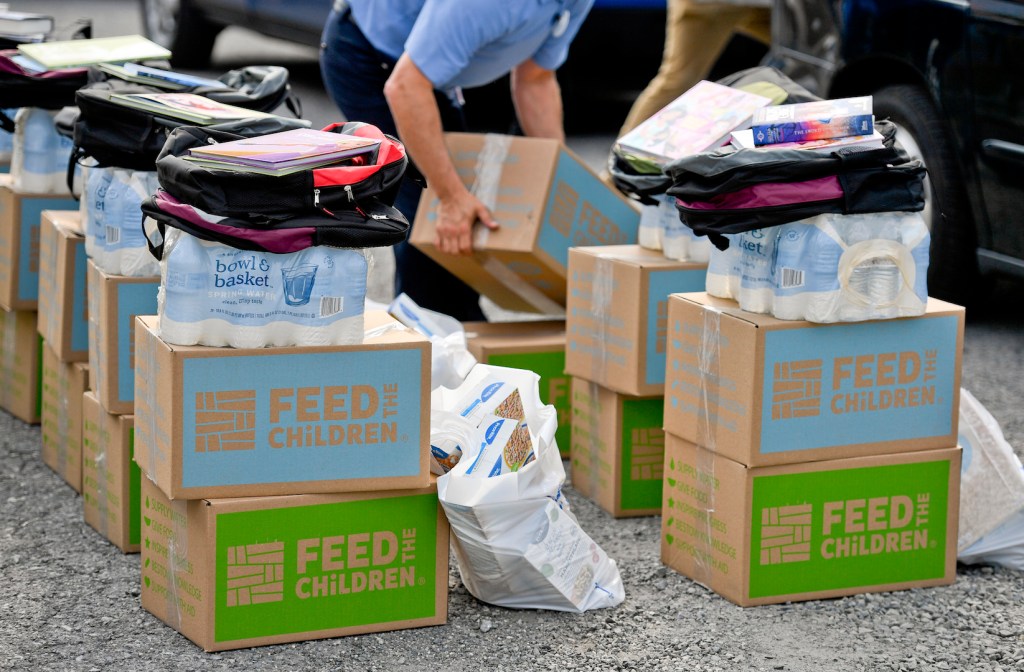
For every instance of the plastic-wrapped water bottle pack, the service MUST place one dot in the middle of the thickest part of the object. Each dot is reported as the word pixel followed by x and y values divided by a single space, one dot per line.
pixel 662 229
pixel 40 155
pixel 829 268
pixel 114 237
pixel 217 295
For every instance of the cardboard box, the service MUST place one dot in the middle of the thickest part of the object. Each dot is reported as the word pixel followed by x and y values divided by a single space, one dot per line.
pixel 63 309
pixel 811 530
pixel 63 384
pixel 765 391
pixel 234 573
pixel 537 346
pixel 232 422
pixel 114 302
pixel 618 449
pixel 616 315
pixel 111 481
pixel 21 365
pixel 20 216
pixel 545 199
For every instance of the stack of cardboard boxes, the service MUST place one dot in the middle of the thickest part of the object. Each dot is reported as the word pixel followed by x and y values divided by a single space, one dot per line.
pixel 616 321
pixel 63 323
pixel 287 492
pixel 20 347
pixel 804 460
pixel 111 481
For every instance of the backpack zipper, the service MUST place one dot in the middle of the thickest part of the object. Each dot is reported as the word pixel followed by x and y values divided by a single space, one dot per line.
pixel 316 198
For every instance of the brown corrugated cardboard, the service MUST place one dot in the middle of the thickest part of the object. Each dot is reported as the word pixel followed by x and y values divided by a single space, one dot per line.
pixel 761 391
pixel 618 449
pixel 537 346
pixel 20 215
pixel 616 315
pixel 63 308
pixel 110 479
pixel 234 573
pixel 811 530
pixel 21 364
pixel 545 199
pixel 228 422
pixel 61 416
pixel 114 302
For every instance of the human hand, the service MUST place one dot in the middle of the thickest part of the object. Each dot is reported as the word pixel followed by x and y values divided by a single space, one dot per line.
pixel 456 215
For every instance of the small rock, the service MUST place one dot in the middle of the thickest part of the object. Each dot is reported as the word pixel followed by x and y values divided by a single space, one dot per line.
pixel 486 625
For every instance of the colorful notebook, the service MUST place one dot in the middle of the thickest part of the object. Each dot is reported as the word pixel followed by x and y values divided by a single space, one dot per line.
pixel 70 53
pixel 185 107
pixel 297 147
pixel 699 120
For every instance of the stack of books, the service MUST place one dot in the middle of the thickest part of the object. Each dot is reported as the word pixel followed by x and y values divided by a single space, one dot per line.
pixel 282 153
pixel 24 27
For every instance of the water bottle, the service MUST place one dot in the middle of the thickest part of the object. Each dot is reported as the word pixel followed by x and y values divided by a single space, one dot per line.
pixel 93 208
pixel 756 250
pixel 680 243
pixel 649 233
pixel 723 279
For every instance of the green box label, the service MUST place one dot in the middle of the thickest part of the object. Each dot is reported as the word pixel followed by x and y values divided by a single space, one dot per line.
pixel 554 386
pixel 643 453
pixel 134 490
pixel 326 566
pixel 849 528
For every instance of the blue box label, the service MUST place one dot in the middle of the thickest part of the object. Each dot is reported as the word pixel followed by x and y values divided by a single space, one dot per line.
pixel 295 418
pixel 133 298
pixel 581 211
pixel 888 380
pixel 79 304
pixel 661 284
pixel 28 249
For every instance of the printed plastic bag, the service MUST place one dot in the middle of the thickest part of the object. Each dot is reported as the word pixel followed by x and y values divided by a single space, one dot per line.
pixel 516 541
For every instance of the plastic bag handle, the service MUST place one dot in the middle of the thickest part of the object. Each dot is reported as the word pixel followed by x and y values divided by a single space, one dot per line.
pixel 868 250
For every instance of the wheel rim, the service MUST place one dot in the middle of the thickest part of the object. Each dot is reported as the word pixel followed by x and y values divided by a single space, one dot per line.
pixel 910 144
pixel 161 17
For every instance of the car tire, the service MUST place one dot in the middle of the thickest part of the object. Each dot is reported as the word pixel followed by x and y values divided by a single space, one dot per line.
pixel 180 27
pixel 953 273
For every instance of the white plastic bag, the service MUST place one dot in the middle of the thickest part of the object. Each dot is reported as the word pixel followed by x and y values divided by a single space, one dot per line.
pixel 450 360
pixel 991 488
pixel 516 542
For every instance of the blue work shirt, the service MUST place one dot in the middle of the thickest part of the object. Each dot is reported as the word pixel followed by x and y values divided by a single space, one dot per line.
pixel 467 43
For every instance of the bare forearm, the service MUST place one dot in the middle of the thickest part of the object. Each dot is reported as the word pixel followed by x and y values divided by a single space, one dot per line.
pixel 538 102
pixel 418 120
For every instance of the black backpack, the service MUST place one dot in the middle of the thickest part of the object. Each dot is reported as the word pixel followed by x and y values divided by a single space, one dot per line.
pixel 248 195
pixel 49 90
pixel 731 191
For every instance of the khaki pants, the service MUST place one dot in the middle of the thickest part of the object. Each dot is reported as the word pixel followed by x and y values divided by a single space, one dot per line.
pixel 696 33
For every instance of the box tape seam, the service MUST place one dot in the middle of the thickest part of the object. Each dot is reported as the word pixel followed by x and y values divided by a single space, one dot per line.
pixel 489 164
pixel 709 364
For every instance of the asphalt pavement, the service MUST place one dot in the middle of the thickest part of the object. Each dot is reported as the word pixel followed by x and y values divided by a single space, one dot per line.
pixel 70 601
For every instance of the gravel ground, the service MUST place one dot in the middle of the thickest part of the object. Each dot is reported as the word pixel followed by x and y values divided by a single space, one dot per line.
pixel 70 601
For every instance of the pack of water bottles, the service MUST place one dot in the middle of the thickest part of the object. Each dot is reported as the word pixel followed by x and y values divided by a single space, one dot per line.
pixel 40 155
pixel 828 268
pixel 112 220
pixel 662 229
pixel 218 295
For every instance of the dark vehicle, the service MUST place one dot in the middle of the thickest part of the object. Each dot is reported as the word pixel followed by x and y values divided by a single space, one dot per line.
pixel 948 73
